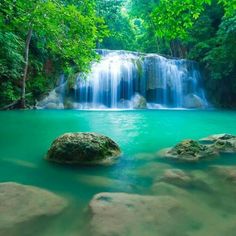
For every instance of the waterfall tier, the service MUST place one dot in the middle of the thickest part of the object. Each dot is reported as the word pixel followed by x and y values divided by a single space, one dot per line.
pixel 129 80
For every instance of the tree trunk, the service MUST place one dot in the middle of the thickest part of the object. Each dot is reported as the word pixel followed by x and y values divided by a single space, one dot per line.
pixel 27 43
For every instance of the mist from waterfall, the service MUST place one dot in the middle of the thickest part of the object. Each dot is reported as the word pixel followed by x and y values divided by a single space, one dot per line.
pixel 130 80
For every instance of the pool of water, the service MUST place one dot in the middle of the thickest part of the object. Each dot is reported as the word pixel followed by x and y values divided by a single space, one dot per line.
pixel 25 137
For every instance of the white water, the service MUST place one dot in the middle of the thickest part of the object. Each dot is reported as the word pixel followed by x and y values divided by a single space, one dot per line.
pixel 127 80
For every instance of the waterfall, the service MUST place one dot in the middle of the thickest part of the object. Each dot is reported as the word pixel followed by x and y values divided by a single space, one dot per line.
pixel 128 80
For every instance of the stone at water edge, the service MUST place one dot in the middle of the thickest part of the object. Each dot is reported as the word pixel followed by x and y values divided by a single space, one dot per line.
pixel 139 102
pixel 83 148
pixel 192 101
pixel 23 203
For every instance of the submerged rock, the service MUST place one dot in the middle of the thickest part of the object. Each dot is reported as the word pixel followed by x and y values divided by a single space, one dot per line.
pixel 227 173
pixel 182 179
pixel 176 177
pixel 83 148
pixel 134 215
pixel 189 151
pixel 22 203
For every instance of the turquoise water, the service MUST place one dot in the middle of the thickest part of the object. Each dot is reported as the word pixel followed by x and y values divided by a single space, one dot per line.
pixel 26 136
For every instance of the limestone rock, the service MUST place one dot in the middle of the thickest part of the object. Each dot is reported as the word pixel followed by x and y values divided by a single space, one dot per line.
pixel 189 151
pixel 192 101
pixel 22 203
pixel 227 173
pixel 176 177
pixel 224 143
pixel 83 148
pixel 182 179
pixel 135 215
pixel 139 102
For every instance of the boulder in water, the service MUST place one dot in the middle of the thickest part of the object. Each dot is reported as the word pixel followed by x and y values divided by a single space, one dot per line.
pixel 224 143
pixel 189 151
pixel 83 148
pixel 21 204
pixel 204 149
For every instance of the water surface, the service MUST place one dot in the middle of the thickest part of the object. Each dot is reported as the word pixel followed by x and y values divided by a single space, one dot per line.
pixel 26 136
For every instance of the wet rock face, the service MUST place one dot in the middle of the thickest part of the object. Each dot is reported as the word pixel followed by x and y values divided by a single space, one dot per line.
pixel 189 151
pixel 192 101
pixel 20 204
pixel 131 214
pixel 139 102
pixel 83 148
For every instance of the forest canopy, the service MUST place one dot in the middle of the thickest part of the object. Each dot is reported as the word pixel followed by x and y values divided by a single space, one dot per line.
pixel 42 39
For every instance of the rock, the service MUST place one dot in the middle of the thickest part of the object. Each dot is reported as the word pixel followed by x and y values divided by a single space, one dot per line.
pixel 227 173
pixel 176 177
pixel 216 137
pixel 20 204
pixel 54 106
pixel 134 215
pixel 189 151
pixel 224 143
pixel 192 101
pixel 68 104
pixel 139 102
pixel 163 188
pixel 181 179
pixel 52 101
pixel 83 148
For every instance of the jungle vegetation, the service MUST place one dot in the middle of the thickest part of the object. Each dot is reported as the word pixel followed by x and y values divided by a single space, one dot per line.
pixel 41 39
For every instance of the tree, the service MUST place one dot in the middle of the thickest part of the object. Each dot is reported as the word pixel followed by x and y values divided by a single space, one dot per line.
pixel 207 31
pixel 68 31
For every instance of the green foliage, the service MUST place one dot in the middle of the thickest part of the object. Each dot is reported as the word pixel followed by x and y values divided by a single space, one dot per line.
pixel 121 33
pixel 11 60
pixel 64 33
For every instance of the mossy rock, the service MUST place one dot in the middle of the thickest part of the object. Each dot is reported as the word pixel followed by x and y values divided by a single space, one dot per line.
pixel 190 151
pixel 83 148
pixel 224 143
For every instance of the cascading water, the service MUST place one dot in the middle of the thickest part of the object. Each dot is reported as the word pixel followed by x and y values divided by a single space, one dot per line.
pixel 128 80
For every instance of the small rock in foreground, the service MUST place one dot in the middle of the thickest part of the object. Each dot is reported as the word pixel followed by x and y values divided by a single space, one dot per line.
pixel 23 203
